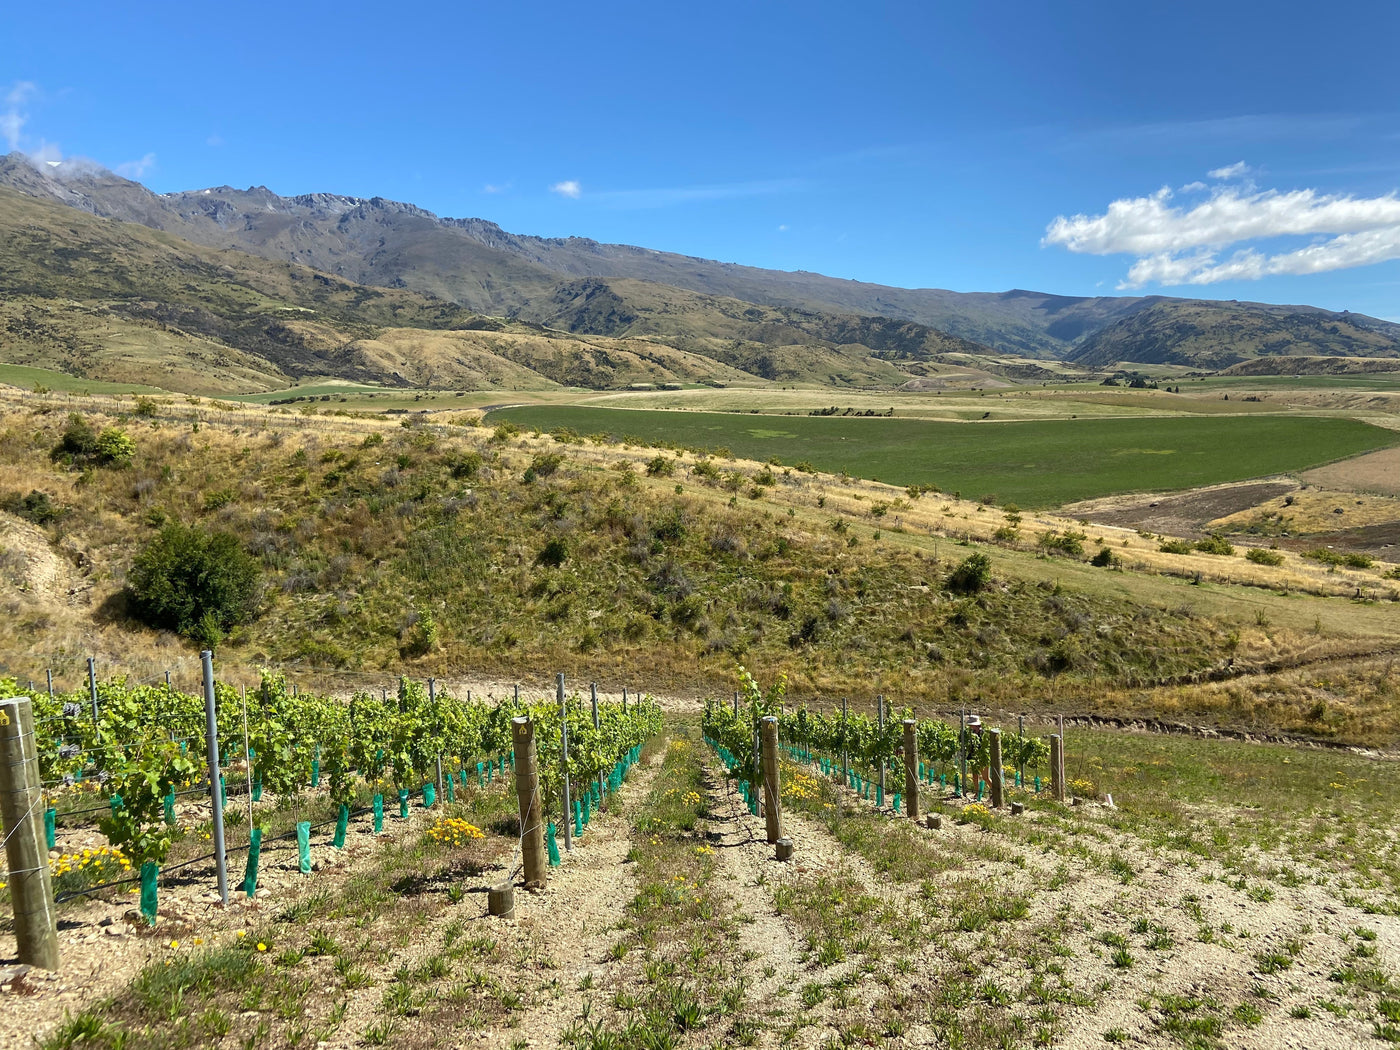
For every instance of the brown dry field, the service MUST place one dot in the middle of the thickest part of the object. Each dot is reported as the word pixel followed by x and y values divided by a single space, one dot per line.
pixel 1377 472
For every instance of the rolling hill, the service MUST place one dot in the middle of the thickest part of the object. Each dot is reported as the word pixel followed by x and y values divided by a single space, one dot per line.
pixel 1212 336
pixel 117 301
pixel 588 287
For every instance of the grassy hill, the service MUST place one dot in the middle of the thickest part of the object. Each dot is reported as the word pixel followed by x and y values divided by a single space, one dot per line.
pixel 117 302
pixel 1213 336
pixel 543 554
pixel 476 264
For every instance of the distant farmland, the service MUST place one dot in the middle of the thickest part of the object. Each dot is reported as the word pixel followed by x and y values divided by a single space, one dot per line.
pixel 1036 464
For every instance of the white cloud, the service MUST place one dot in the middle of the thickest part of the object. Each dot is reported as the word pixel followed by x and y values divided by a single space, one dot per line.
pixel 1193 187
pixel 782 228
pixel 14 118
pixel 1230 171
pixel 1184 245
pixel 568 188
pixel 136 169
pixel 492 187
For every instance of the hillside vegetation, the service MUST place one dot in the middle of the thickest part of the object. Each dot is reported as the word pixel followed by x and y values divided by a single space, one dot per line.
pixel 117 302
pixel 602 289
pixel 1214 336
pixel 540 554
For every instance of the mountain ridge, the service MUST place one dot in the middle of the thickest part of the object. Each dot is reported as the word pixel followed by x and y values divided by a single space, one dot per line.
pixel 476 264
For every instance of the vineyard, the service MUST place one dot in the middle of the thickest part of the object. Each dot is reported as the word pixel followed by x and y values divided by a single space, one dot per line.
pixel 1165 892
pixel 131 759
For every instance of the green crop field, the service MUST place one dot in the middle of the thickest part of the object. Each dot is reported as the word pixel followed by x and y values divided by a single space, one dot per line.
pixel 1036 464
pixel 33 378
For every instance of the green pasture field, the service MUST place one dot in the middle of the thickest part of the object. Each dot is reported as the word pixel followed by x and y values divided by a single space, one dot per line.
pixel 32 378
pixel 1034 464
pixel 1380 381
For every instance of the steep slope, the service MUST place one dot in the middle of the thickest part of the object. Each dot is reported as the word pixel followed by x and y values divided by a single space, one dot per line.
pixel 1217 335
pixel 474 263
pixel 783 344
pixel 119 302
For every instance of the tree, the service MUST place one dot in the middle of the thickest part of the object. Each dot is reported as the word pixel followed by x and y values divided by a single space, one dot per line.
pixel 194 582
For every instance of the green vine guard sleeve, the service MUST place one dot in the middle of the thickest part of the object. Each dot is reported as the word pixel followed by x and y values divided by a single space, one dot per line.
pixel 149 871
pixel 250 873
pixel 170 808
pixel 553 846
pixel 403 804
pixel 429 796
pixel 50 828
pixel 342 821
pixel 304 845
pixel 378 814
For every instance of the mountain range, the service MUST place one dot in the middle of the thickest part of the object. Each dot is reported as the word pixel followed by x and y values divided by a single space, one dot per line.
pixel 576 301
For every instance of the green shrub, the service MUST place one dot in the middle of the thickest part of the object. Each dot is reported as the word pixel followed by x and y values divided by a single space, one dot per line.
pixel 195 583
pixel 661 467
pixel 553 554
pixel 1176 547
pixel 1351 559
pixel 1103 558
pixel 1068 542
pixel 37 507
pixel 421 637
pixel 465 466
pixel 972 576
pixel 1215 544
pixel 114 448
pixel 1263 556
pixel 79 441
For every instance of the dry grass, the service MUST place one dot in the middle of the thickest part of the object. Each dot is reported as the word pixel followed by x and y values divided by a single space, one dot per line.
pixel 1319 509
pixel 194 451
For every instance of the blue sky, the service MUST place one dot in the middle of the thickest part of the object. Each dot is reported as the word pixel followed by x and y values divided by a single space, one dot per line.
pixel 910 144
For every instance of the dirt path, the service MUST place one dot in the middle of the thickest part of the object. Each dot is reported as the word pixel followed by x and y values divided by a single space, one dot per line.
pixel 576 920
pixel 748 869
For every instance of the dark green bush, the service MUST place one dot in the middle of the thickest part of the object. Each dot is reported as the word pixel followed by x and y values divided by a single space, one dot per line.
pixel 1103 558
pixel 37 507
pixel 1215 544
pixel 1068 542
pixel 1263 556
pixel 194 582
pixel 972 575
pixel 1176 547
pixel 661 467
pixel 82 446
pixel 1351 559
pixel 554 553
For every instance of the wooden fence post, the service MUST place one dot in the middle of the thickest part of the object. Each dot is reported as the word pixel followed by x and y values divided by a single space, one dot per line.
pixel 1057 767
pixel 527 793
pixel 772 800
pixel 911 768
pixel 998 782
pixel 22 810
